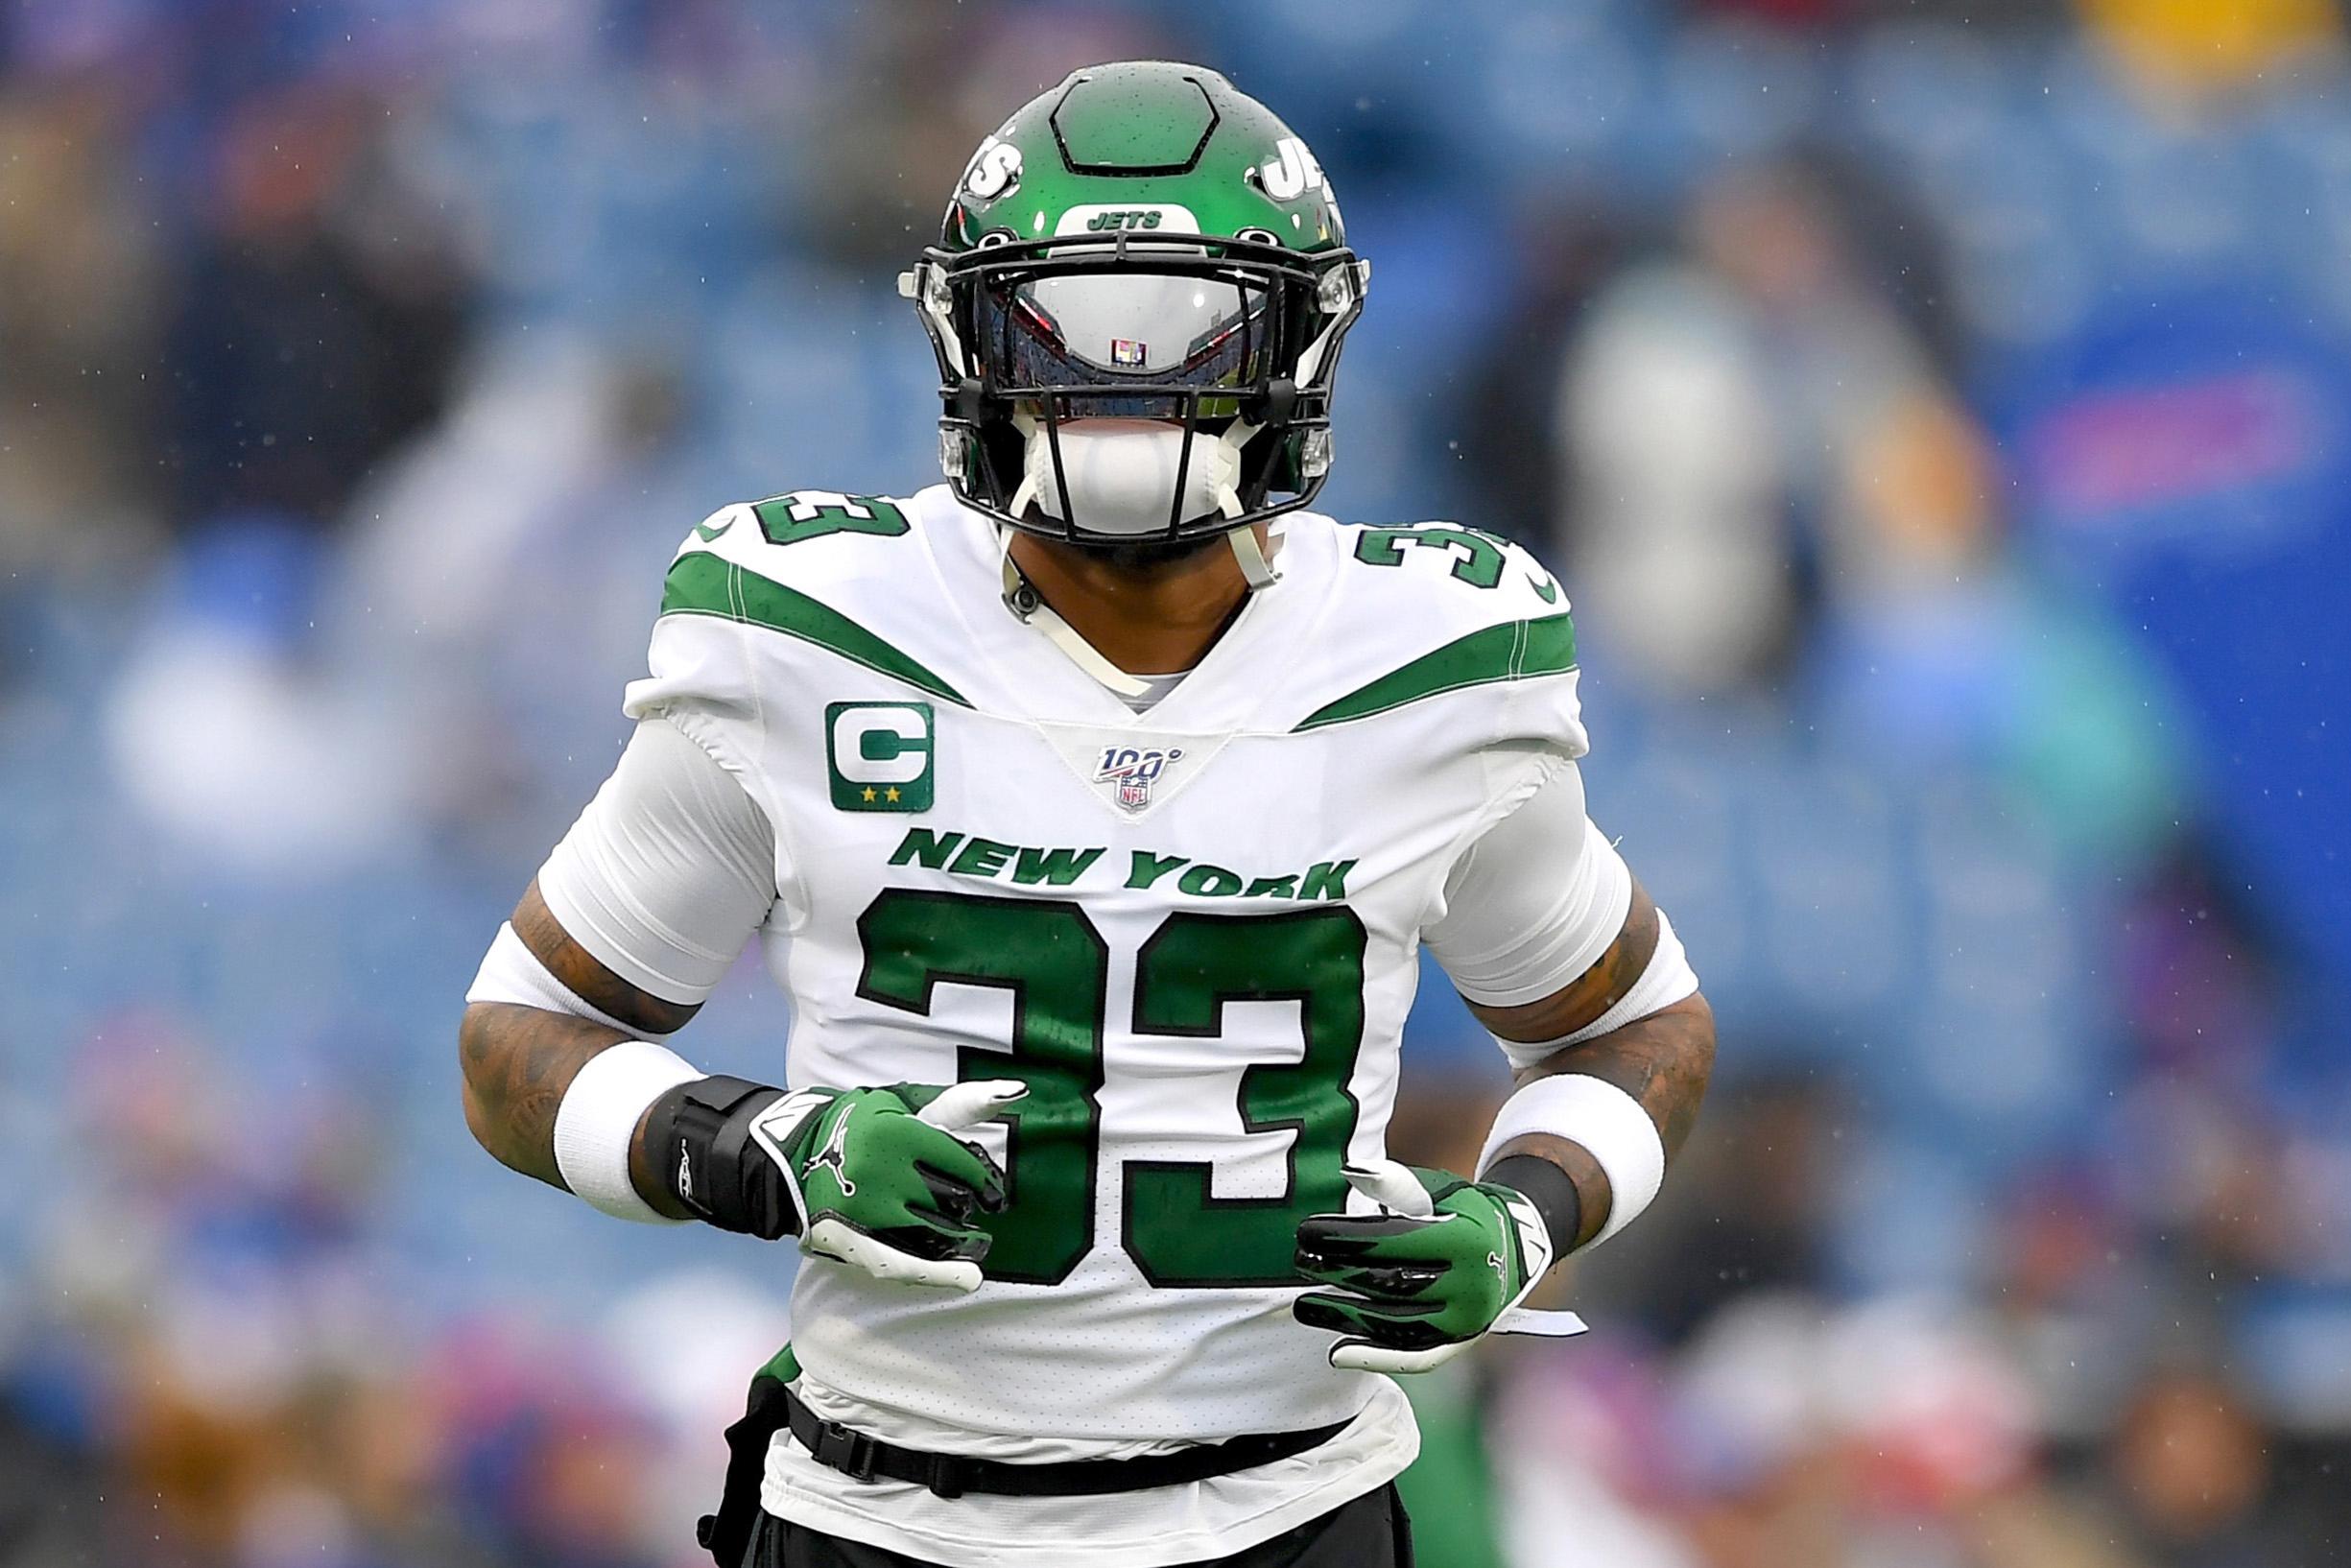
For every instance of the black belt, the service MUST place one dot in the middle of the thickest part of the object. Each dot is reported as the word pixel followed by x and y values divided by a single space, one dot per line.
pixel 863 1457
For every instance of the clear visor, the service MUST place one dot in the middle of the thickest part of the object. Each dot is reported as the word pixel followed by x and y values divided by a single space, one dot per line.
pixel 1127 327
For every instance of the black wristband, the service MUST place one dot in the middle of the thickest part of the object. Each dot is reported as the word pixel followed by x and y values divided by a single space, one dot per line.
pixel 1549 1188
pixel 698 1137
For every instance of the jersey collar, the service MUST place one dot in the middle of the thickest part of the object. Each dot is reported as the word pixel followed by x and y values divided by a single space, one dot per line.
pixel 1040 678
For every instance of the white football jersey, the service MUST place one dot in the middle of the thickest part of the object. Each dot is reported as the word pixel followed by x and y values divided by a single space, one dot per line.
pixel 1193 932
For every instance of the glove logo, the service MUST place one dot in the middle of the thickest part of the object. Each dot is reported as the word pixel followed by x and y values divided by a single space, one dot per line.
pixel 833 1155
pixel 1401 1286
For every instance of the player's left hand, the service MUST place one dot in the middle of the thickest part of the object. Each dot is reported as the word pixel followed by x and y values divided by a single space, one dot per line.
pixel 1442 1264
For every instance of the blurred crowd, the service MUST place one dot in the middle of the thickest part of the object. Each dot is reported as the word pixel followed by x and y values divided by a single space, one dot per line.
pixel 1939 411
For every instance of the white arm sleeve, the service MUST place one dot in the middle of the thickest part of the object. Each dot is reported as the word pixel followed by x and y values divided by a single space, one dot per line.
pixel 668 871
pixel 1534 903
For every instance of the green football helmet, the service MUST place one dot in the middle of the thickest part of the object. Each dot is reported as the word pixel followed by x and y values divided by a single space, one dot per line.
pixel 1137 302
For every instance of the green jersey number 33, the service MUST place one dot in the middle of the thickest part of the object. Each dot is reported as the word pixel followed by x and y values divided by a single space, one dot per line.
pixel 1057 965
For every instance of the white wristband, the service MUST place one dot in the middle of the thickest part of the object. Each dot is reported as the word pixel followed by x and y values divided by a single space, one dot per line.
pixel 598 1121
pixel 1605 1122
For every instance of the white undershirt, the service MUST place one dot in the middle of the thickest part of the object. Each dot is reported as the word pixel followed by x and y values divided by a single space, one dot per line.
pixel 1155 687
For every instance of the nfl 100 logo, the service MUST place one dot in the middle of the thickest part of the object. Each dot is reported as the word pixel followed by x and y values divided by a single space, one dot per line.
pixel 1134 769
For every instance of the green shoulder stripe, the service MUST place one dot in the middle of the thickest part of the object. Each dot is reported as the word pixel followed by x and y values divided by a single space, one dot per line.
pixel 700 584
pixel 1511 652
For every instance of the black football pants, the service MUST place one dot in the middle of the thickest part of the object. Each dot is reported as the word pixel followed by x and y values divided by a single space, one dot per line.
pixel 1369 1532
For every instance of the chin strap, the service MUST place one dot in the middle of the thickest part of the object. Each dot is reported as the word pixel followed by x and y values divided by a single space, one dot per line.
pixel 1255 569
pixel 1030 607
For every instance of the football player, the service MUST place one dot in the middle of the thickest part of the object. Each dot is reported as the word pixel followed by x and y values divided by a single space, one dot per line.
pixel 1092 809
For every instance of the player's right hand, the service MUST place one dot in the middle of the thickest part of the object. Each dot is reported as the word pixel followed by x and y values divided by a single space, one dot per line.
pixel 881 1180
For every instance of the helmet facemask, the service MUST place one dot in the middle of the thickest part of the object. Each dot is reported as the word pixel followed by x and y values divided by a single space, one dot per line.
pixel 1136 391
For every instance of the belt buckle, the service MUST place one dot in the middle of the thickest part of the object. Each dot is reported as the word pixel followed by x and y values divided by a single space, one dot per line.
pixel 846 1449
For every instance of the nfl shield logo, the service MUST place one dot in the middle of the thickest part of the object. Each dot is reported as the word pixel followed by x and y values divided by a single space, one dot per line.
pixel 1134 769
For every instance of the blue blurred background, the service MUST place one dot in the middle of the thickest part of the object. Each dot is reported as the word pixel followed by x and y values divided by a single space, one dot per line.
pixel 1939 411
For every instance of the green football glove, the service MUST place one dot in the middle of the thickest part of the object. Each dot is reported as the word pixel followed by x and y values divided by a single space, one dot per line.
pixel 881 1183
pixel 1444 1262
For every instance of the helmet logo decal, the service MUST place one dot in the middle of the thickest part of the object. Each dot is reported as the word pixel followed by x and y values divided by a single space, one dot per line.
pixel 1103 218
pixel 1292 173
pixel 994 170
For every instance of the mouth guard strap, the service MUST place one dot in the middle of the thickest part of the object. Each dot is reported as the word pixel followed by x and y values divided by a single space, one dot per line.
pixel 1255 569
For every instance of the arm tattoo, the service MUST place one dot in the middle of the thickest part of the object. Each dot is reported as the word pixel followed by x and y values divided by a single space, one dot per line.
pixel 1587 999
pixel 520 1060
pixel 586 977
pixel 1663 1061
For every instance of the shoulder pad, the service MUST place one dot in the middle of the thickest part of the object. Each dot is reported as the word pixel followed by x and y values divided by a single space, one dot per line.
pixel 846 551
pixel 824 571
pixel 761 534
pixel 1423 609
pixel 1448 570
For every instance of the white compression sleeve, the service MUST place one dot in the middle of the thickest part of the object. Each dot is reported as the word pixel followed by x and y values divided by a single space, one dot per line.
pixel 1533 902
pixel 668 871
pixel 511 972
pixel 662 879
pixel 1669 979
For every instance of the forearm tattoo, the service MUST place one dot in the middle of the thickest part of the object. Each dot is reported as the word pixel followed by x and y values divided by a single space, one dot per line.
pixel 585 976
pixel 520 1060
pixel 1663 1061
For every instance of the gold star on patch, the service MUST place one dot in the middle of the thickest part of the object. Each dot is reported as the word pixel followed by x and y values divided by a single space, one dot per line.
pixel 869 792
pixel 891 794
